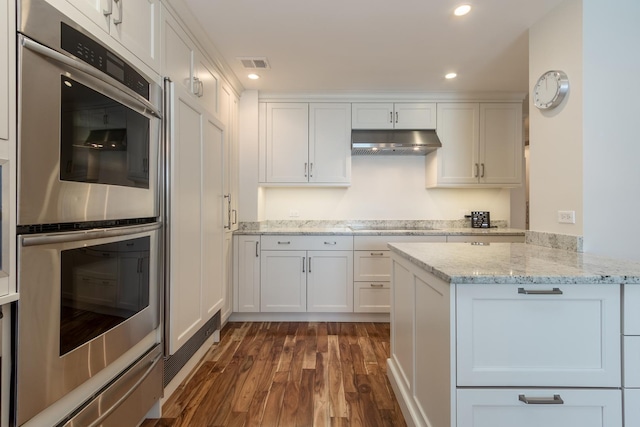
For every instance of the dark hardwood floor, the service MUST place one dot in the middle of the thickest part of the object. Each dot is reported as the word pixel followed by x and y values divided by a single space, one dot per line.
pixel 289 374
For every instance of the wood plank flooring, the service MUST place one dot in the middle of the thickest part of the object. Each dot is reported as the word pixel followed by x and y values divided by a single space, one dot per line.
pixel 289 374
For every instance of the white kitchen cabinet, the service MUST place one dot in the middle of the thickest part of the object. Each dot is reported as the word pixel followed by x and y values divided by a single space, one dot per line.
pixel 307 143
pixel 402 324
pixel 228 114
pixel 187 66
pixel 545 336
pixel 227 276
pixel 387 115
pixel 505 408
pixel 371 297
pixel 631 399
pixel 195 220
pixel 6 34
pixel 306 273
pixel 482 146
pixel 134 24
pixel 246 277
pixel 373 265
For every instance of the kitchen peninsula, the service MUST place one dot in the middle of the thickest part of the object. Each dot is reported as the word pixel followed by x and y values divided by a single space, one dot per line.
pixel 507 334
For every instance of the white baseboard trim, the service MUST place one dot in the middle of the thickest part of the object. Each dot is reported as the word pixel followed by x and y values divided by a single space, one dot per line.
pixel 310 317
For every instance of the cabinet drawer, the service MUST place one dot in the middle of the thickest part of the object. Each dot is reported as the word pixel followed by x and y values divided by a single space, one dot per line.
pixel 505 408
pixel 631 361
pixel 311 243
pixel 372 266
pixel 630 310
pixel 510 338
pixel 631 407
pixel 379 243
pixel 372 297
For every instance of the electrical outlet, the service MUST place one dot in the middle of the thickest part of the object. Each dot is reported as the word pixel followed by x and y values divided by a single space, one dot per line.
pixel 567 217
pixel 293 213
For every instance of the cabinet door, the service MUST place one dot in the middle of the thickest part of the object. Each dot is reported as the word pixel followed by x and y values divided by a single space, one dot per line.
pixel 283 280
pixel 503 408
pixel 227 276
pixel 372 115
pixel 371 297
pixel 206 82
pixel 457 160
pixel 186 267
pixel 5 16
pixel 99 11
pixel 415 115
pixel 508 336
pixel 247 274
pixel 136 25
pixel 212 217
pixel 178 54
pixel 501 143
pixel 228 113
pixel 330 281
pixel 330 143
pixel 287 145
pixel 631 406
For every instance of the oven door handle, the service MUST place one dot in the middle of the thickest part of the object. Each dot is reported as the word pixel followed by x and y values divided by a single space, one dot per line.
pixel 122 399
pixel 75 236
pixel 114 89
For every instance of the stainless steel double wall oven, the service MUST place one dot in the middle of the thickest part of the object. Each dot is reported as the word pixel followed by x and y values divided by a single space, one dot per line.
pixel 89 232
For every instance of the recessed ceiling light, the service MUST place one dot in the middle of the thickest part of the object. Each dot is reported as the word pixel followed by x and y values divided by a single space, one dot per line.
pixel 462 10
pixel 450 76
pixel 253 76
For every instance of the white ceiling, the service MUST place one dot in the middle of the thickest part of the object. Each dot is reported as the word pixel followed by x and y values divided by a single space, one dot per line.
pixel 375 45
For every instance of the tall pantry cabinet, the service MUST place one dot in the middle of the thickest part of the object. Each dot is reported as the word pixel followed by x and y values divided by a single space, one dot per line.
pixel 202 111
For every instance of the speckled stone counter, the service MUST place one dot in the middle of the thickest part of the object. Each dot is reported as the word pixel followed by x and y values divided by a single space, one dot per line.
pixel 515 263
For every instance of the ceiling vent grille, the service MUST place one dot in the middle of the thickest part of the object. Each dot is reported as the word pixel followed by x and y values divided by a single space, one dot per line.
pixel 257 63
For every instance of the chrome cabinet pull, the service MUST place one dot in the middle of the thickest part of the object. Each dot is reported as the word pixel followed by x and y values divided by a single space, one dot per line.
pixel 228 197
pixel 396 117
pixel 554 291
pixel 331 243
pixel 476 174
pixel 283 243
pixel 119 20
pixel 390 116
pixel 109 10
pixel 305 170
pixel 257 253
pixel 309 264
pixel 235 216
pixel 310 170
pixel 555 400
pixel 377 285
pixel 377 253
pixel 482 174
pixel 303 262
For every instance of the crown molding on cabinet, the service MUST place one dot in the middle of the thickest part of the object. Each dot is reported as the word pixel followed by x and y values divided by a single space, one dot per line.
pixel 356 96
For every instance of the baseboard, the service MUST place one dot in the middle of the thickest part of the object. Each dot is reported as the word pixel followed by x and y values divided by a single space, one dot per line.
pixel 310 317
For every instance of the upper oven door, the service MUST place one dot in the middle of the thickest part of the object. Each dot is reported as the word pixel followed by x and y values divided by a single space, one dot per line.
pixel 88 146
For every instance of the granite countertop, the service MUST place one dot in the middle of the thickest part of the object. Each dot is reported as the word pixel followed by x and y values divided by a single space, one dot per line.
pixel 515 263
pixel 348 231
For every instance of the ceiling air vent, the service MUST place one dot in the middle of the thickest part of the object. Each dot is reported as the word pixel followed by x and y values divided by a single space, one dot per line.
pixel 257 63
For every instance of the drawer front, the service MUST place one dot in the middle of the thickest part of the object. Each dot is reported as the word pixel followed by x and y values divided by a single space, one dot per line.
pixel 485 239
pixel 372 297
pixel 631 362
pixel 372 266
pixel 631 407
pixel 505 408
pixel 311 243
pixel 507 337
pixel 379 243
pixel 630 310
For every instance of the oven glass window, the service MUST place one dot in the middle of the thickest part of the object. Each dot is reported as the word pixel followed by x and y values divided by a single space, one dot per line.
pixel 101 287
pixel 101 140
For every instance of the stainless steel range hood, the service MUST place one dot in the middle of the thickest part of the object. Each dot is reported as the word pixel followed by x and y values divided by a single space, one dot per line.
pixel 394 142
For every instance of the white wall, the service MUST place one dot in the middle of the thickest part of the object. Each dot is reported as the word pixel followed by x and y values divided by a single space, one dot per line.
pixel 385 187
pixel 611 123
pixel 555 137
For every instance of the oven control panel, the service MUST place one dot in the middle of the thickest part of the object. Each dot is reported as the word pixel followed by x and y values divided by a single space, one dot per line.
pixel 101 58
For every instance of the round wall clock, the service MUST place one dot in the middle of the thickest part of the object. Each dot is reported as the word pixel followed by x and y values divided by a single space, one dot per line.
pixel 550 89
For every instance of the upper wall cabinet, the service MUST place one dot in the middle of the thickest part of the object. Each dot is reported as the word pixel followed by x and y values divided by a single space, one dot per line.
pixel 306 143
pixel 482 146
pixel 381 115
pixel 134 24
pixel 185 65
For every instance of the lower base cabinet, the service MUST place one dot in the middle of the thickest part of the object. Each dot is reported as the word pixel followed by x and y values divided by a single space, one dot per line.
pixel 548 408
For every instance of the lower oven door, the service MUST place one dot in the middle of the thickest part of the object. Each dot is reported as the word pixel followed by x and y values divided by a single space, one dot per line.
pixel 86 299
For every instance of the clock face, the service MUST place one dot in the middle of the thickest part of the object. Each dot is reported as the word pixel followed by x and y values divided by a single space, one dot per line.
pixel 550 89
